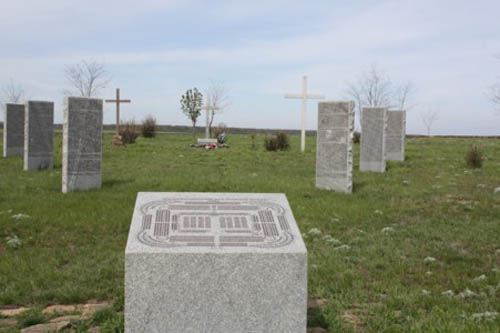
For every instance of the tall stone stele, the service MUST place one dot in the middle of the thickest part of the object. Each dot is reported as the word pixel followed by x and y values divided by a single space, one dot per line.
pixel 373 131
pixel 82 144
pixel 334 154
pixel 215 262
pixel 38 135
pixel 395 136
pixel 13 130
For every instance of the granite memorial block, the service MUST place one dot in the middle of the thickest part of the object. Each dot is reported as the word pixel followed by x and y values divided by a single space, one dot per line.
pixel 334 152
pixel 395 136
pixel 38 135
pixel 82 144
pixel 13 130
pixel 215 262
pixel 373 130
pixel 208 141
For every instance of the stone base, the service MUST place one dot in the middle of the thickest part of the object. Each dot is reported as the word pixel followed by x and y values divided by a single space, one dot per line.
pixel 38 163
pixel 207 141
pixel 342 185
pixel 372 166
pixel 13 151
pixel 394 156
pixel 82 183
pixel 196 292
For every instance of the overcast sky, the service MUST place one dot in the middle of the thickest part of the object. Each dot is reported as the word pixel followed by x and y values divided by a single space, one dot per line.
pixel 156 50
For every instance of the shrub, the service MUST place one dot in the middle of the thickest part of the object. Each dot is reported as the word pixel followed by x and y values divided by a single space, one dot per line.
pixel 217 130
pixel 278 141
pixel 128 132
pixel 356 138
pixel 474 157
pixel 148 128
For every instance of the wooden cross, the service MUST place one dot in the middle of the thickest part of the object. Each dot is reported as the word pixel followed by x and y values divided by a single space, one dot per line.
pixel 304 96
pixel 208 108
pixel 118 101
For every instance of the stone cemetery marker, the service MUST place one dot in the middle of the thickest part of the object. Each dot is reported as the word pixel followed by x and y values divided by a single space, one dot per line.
pixel 373 129
pixel 38 135
pixel 304 96
pixel 334 146
pixel 214 262
pixel 13 130
pixel 82 136
pixel 395 136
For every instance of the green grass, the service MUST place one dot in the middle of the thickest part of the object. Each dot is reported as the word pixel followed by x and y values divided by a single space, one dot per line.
pixel 72 245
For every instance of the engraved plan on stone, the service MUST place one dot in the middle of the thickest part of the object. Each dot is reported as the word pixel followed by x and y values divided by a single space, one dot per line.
pixel 214 223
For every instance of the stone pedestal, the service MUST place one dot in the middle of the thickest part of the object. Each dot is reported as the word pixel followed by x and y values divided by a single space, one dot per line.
pixel 13 130
pixel 215 262
pixel 373 130
pixel 334 153
pixel 395 136
pixel 82 144
pixel 38 135
pixel 207 142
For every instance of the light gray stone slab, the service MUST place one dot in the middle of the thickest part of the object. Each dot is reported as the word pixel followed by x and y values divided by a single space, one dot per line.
pixel 38 135
pixel 373 130
pixel 395 136
pixel 207 141
pixel 82 144
pixel 215 262
pixel 334 154
pixel 13 130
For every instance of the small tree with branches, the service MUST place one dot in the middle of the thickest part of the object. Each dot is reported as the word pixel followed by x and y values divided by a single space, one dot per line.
pixel 191 103
pixel 375 89
pixel 429 118
pixel 216 97
pixel 495 91
pixel 87 78
pixel 12 93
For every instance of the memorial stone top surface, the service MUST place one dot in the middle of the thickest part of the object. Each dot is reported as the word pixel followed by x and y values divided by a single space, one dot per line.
pixel 213 222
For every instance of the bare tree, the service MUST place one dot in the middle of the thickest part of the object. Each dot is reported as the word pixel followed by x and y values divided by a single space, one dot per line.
pixel 373 88
pixel 403 95
pixel 12 93
pixel 217 97
pixel 87 78
pixel 429 118
pixel 495 91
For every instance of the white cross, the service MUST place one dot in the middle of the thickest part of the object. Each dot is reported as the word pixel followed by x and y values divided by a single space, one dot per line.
pixel 208 108
pixel 304 96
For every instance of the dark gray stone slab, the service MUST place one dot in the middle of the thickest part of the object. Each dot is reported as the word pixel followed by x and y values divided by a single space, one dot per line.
pixel 13 130
pixel 215 262
pixel 395 136
pixel 334 154
pixel 82 144
pixel 372 150
pixel 38 135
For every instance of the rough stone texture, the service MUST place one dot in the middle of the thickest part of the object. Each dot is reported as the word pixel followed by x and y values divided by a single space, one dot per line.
pixel 372 151
pixel 395 136
pixel 82 144
pixel 215 262
pixel 38 135
pixel 13 131
pixel 334 146
pixel 207 141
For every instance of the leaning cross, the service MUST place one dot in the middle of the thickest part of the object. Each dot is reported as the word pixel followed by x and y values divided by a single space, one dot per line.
pixel 118 101
pixel 208 108
pixel 304 96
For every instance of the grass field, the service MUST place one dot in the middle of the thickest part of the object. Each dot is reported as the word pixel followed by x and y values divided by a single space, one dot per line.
pixel 414 249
